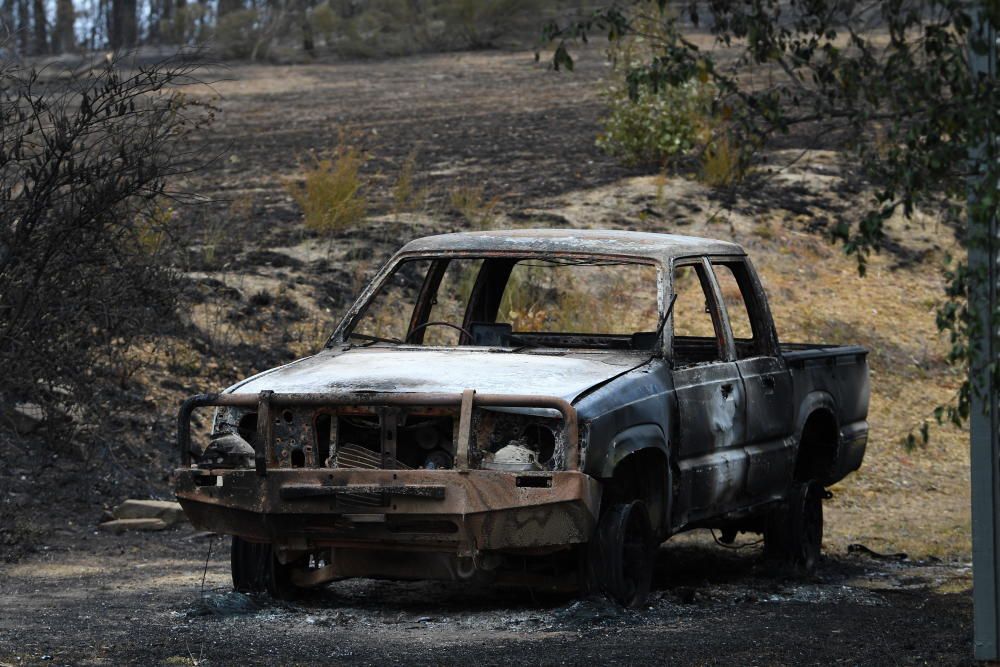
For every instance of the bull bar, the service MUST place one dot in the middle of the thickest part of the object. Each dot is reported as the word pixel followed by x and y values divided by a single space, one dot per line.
pixel 267 401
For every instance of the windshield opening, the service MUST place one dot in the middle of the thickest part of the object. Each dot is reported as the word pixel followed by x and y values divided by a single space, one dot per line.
pixel 519 302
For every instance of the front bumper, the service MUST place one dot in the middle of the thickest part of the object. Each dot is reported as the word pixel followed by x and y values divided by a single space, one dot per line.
pixel 460 512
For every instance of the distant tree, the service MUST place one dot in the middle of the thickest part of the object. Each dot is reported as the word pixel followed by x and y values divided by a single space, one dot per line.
pixel 23 23
pixel 63 35
pixel 7 25
pixel 229 6
pixel 308 39
pixel 41 44
pixel 123 27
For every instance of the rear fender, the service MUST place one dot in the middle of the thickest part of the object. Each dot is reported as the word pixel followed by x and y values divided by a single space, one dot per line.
pixel 817 400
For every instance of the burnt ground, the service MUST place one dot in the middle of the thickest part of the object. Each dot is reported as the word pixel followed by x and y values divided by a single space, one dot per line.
pixel 491 120
pixel 139 599
pixel 268 290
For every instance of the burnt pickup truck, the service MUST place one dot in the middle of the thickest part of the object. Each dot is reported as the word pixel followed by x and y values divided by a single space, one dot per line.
pixel 533 407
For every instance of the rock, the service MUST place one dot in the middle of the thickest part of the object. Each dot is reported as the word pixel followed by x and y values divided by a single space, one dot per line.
pixel 169 512
pixel 121 525
pixel 26 417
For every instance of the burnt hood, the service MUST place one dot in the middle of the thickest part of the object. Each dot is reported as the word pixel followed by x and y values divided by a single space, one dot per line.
pixel 410 370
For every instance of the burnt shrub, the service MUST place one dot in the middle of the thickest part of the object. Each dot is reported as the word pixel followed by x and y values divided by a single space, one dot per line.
pixel 88 225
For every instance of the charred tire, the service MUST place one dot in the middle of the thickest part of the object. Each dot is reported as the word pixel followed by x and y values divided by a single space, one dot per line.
pixel 793 534
pixel 621 554
pixel 255 569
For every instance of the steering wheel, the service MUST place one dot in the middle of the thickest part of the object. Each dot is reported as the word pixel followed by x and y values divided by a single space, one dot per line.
pixel 421 327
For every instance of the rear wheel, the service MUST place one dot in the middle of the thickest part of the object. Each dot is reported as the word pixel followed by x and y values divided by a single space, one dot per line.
pixel 256 569
pixel 793 534
pixel 621 554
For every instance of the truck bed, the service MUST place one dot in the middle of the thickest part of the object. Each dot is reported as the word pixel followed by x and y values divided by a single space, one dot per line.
pixel 832 378
pixel 799 354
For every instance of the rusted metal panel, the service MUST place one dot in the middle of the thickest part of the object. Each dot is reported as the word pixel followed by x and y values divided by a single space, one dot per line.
pixel 489 510
pixel 265 431
pixel 464 429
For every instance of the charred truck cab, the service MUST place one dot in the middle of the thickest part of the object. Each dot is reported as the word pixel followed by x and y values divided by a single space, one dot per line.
pixel 537 407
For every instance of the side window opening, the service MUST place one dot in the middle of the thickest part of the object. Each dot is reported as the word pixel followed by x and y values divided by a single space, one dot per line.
pixel 734 284
pixel 696 332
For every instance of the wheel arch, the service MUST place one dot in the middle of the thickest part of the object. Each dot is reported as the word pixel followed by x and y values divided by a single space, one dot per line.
pixel 818 438
pixel 638 466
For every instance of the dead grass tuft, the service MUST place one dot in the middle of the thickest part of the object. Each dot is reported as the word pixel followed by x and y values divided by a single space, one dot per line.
pixel 406 197
pixel 332 194
pixel 470 202
pixel 722 164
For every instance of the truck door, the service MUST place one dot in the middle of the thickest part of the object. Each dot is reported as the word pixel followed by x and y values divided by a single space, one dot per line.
pixel 710 400
pixel 767 382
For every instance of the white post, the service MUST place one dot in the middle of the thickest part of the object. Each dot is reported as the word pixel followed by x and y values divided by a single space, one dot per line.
pixel 984 453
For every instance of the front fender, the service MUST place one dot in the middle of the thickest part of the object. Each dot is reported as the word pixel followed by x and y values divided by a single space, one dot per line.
pixel 630 441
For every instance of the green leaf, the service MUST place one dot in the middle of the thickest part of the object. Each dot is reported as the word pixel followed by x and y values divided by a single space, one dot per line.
pixel 561 58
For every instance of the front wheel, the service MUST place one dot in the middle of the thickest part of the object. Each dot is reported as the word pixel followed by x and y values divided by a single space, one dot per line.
pixel 793 534
pixel 255 569
pixel 621 554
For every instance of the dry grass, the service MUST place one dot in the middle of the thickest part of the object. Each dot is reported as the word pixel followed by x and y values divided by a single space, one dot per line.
pixel 916 502
pixel 470 202
pixel 331 195
pixel 721 163
pixel 406 197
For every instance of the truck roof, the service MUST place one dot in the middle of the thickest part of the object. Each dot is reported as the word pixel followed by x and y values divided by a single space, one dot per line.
pixel 661 247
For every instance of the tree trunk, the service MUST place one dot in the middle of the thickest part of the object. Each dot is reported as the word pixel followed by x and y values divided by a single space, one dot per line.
pixel 153 24
pixel 7 25
pixel 178 21
pixel 308 43
pixel 23 26
pixel 228 6
pixel 41 29
pixel 63 37
pixel 123 31
pixel 165 16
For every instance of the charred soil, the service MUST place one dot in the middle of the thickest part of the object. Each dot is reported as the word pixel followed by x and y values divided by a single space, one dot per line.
pixel 141 599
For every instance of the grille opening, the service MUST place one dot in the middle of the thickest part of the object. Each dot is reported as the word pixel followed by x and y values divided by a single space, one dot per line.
pixel 358 442
pixel 322 430
pixel 426 442
pixel 542 440
pixel 298 458
pixel 360 431
pixel 247 428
